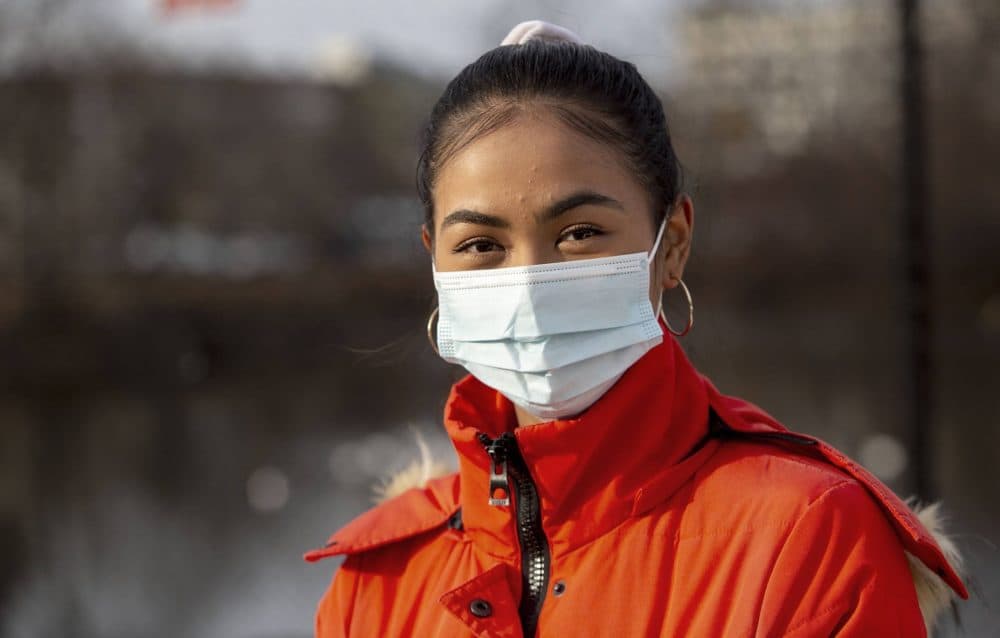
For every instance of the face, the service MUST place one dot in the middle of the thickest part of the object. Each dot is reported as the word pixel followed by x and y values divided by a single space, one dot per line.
pixel 536 192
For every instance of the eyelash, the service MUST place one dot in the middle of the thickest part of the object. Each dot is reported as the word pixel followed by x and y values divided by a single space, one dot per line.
pixel 469 243
pixel 582 227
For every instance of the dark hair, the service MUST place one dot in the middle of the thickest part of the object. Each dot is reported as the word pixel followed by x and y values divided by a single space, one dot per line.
pixel 594 92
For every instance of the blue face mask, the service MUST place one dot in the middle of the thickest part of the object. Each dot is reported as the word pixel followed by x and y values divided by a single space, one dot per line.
pixel 552 338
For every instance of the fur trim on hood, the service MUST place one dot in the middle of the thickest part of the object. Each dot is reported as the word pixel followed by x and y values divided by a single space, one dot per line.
pixel 416 474
pixel 933 594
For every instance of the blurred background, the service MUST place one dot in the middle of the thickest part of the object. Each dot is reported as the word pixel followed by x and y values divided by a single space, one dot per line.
pixel 213 294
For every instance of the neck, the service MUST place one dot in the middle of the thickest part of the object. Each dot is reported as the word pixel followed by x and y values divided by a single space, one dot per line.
pixel 526 418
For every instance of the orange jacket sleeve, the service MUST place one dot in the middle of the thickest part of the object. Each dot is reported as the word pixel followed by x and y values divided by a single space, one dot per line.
pixel 335 609
pixel 841 572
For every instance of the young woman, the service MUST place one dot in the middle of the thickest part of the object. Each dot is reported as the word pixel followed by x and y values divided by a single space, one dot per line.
pixel 605 487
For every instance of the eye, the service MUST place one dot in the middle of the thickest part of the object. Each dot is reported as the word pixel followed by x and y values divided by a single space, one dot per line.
pixel 477 245
pixel 581 232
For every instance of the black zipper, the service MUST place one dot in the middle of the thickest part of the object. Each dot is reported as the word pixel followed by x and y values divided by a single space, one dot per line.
pixel 509 473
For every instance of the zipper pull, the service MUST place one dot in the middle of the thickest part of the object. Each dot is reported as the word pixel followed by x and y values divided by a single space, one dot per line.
pixel 499 481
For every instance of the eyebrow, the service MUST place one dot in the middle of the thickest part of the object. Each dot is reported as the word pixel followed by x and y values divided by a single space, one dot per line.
pixel 578 198
pixel 472 217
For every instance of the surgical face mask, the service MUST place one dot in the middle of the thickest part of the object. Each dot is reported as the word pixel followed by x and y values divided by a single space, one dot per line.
pixel 552 338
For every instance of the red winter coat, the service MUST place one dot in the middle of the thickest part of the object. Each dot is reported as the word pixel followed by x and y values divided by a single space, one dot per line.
pixel 665 509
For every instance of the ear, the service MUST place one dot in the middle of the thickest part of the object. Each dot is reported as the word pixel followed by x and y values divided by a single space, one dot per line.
pixel 425 236
pixel 677 237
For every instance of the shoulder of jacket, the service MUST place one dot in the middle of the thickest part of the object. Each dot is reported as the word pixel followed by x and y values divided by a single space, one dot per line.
pixel 762 486
pixel 785 476
pixel 419 499
pixel 935 562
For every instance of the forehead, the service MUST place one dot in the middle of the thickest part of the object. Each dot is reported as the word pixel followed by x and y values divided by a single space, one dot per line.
pixel 529 162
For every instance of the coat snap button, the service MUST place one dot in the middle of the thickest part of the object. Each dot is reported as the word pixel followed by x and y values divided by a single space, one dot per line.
pixel 559 588
pixel 481 608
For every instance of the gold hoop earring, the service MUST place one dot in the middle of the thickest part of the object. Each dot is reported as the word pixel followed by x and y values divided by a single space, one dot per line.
pixel 690 321
pixel 430 324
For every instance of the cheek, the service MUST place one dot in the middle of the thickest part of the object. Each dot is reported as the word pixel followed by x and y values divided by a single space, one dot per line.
pixel 444 257
pixel 439 256
pixel 445 260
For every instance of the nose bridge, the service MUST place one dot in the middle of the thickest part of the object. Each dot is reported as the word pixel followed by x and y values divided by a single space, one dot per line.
pixel 532 248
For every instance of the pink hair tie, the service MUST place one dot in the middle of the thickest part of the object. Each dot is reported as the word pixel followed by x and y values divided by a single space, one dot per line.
pixel 540 30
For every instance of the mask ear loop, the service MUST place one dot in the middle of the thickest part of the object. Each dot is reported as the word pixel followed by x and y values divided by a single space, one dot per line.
pixel 656 244
pixel 652 254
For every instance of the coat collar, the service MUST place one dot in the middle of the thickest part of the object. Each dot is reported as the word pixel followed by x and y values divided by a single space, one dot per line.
pixel 631 450
pixel 592 471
